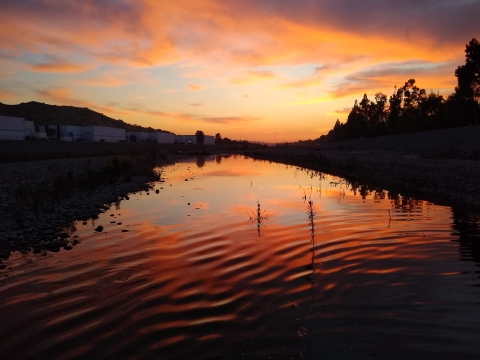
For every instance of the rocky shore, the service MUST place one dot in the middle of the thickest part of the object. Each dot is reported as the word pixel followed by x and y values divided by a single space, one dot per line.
pixel 48 227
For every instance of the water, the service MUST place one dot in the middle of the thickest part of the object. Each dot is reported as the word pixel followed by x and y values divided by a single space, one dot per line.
pixel 250 259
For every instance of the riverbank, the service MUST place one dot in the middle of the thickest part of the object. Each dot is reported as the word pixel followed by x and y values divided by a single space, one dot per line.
pixel 39 206
pixel 447 181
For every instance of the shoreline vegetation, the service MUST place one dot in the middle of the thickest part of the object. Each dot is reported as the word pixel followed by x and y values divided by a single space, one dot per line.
pixel 450 182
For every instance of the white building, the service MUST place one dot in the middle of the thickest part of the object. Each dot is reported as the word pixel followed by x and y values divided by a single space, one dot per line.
pixel 209 140
pixel 14 128
pixel 138 136
pixel 70 132
pixel 164 138
pixel 40 133
pixel 103 134
pixel 192 139
pixel 157 137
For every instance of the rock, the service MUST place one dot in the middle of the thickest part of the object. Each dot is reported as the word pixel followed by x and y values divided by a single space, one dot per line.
pixel 119 223
pixel 157 191
pixel 125 230
pixel 99 228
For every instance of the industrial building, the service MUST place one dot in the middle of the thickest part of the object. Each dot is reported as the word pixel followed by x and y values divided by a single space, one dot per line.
pixel 192 139
pixel 90 133
pixel 156 137
pixel 16 128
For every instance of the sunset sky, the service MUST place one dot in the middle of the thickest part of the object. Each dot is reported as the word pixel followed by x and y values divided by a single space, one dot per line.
pixel 265 70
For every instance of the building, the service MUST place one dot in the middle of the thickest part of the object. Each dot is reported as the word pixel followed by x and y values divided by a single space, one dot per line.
pixel 15 128
pixel 40 133
pixel 70 133
pixel 192 139
pixel 209 140
pixel 164 138
pixel 103 134
pixel 154 136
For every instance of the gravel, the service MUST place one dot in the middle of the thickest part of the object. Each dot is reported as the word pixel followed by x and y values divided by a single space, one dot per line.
pixel 50 228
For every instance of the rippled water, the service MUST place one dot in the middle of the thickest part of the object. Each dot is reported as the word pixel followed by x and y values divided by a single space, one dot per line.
pixel 235 258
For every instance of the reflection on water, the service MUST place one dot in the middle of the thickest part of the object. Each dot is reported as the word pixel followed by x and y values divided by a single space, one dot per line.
pixel 236 258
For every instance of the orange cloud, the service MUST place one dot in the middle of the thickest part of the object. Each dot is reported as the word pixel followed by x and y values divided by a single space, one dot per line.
pixel 60 67
pixel 344 112
pixel 194 87
pixel 301 83
pixel 252 76
pixel 196 118
pixel 8 94
pixel 62 96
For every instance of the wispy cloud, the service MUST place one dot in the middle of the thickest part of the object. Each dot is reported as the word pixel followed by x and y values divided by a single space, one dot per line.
pixel 8 94
pixel 63 96
pixel 57 65
pixel 301 83
pixel 196 118
pixel 342 112
pixel 195 87
pixel 252 76
pixel 309 101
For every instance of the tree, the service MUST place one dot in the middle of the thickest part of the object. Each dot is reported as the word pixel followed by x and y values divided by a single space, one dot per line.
pixel 218 138
pixel 200 136
pixel 468 76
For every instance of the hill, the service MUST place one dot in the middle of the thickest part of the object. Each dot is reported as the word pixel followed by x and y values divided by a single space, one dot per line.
pixel 45 114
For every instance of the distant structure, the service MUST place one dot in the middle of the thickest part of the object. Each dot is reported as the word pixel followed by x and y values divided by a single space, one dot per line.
pixel 90 133
pixel 192 139
pixel 153 136
pixel 16 128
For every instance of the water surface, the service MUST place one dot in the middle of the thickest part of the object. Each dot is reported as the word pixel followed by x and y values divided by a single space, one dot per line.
pixel 236 258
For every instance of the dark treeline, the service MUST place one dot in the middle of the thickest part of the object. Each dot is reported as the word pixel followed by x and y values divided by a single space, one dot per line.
pixel 412 109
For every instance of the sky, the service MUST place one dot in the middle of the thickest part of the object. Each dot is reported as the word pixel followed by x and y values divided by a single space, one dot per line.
pixel 257 70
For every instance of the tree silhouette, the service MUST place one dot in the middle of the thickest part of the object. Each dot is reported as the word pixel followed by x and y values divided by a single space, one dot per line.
pixel 200 136
pixel 218 138
pixel 468 76
pixel 411 109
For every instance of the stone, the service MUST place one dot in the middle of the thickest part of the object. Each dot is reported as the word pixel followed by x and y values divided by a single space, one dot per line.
pixel 99 228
